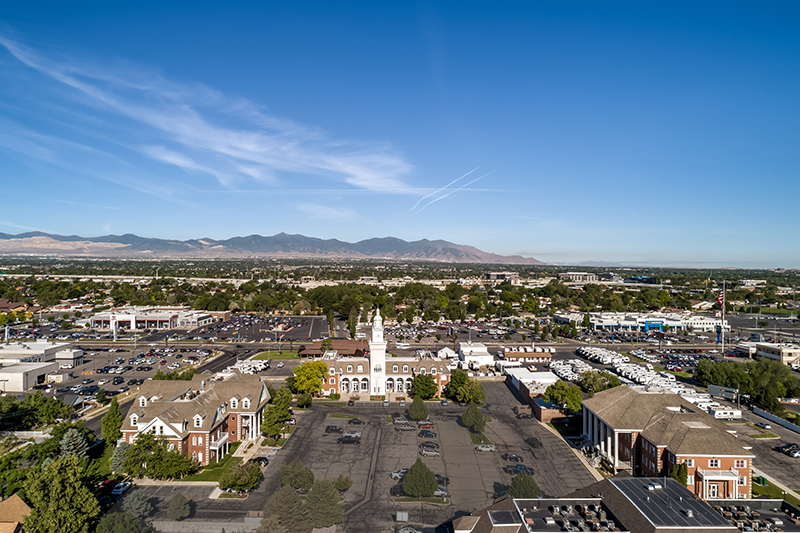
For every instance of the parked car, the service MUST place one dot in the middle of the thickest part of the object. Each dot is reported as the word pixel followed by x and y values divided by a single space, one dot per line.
pixel 334 429
pixel 794 453
pixel 763 425
pixel 399 474
pixel 350 403
pixel 430 444
pixel 533 442
pixel 349 439
pixel 442 480
pixel 425 424
pixel 356 422
pixel 121 488
pixel 405 427
pixel 485 448
pixel 444 403
pixel 512 457
pixel 263 461
pixel 428 452
pixel 426 434
pixel 397 490
pixel 516 469
pixel 386 403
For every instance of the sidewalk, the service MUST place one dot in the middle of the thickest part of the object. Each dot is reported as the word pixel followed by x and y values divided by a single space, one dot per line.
pixel 777 483
pixel 597 475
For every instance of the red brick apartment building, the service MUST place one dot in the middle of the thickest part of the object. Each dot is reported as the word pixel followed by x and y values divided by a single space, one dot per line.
pixel 200 417
pixel 648 434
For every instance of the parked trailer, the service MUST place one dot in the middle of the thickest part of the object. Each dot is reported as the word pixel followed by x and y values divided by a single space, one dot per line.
pixel 726 414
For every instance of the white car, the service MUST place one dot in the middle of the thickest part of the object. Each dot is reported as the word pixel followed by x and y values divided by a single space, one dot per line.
pixel 399 474
pixel 485 448
pixel 794 453
pixel 121 488
pixel 102 382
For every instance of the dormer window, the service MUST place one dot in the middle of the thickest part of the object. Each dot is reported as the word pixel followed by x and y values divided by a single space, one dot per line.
pixel 394 368
pixel 198 421
pixel 234 403
pixel 422 370
pixel 433 371
pixel 360 368
pixel 246 403
pixel 134 420
pixel 349 368
pixel 142 402
pixel 332 371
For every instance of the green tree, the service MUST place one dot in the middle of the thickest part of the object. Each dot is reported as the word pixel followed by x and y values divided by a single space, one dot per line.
pixel 178 507
pixel 120 523
pixel 458 378
pixel 473 419
pixel 101 397
pixel 418 410
pixel 289 510
pixel 471 392
pixel 156 458
pixel 297 475
pixel 523 486
pixel 271 524
pixel 112 422
pixel 419 481
pixel 60 498
pixel 424 386
pixel 118 457
pixel 304 400
pixel 680 472
pixel 242 477
pixel 308 377
pixel 276 413
pixel 73 443
pixel 137 504
pixel 342 483
pixel 323 504
pixel 563 394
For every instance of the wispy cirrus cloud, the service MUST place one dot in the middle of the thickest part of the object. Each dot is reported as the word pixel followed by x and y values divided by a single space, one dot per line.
pixel 325 212
pixel 204 132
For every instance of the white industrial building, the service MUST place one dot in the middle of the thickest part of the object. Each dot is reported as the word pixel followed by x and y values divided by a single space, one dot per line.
pixel 653 321
pixel 474 354
pixel 25 364
pixel 141 318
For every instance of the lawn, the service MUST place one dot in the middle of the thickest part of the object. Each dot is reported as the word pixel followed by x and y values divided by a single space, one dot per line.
pixel 103 462
pixel 233 495
pixel 573 429
pixel 426 500
pixel 342 415
pixel 764 435
pixel 272 442
pixel 213 471
pixel 275 354
pixel 330 402
pixel 772 491
pixel 479 438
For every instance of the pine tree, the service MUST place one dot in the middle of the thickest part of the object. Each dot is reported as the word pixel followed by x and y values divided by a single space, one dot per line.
pixel 120 523
pixel 419 481
pixel 137 504
pixel 680 472
pixel 271 524
pixel 73 443
pixel 418 410
pixel 118 458
pixel 297 475
pixel 473 419
pixel 112 422
pixel 290 511
pixel 523 486
pixel 323 504
pixel 178 507
pixel 342 483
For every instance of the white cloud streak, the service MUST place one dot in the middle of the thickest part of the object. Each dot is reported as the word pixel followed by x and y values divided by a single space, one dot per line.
pixel 443 188
pixel 442 197
pixel 189 120
pixel 324 212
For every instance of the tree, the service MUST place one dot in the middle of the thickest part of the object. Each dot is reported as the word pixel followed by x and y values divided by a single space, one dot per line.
pixel 342 483
pixel 73 443
pixel 473 419
pixel 680 472
pixel 276 413
pixel 271 524
pixel 60 498
pixel 458 378
pixel 308 377
pixel 418 410
pixel 243 477
pixel 471 392
pixel 156 458
pixel 118 457
pixel 424 386
pixel 523 486
pixel 289 510
pixel 323 504
pixel 101 397
pixel 297 475
pixel 178 507
pixel 137 504
pixel 112 422
pixel 120 523
pixel 419 481
pixel 304 400
pixel 563 394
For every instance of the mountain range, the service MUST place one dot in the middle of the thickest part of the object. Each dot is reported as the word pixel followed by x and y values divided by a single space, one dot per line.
pixel 281 245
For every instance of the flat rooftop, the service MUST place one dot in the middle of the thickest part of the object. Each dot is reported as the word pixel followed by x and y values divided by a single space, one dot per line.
pixel 559 514
pixel 666 506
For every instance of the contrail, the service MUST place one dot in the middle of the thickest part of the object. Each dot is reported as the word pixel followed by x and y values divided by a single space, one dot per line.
pixel 455 190
pixel 443 188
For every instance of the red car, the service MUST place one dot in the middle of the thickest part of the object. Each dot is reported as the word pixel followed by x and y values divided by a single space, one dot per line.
pixel 425 424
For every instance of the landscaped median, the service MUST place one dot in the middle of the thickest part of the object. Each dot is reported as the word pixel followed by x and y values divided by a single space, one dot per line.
pixel 276 355
pixel 213 471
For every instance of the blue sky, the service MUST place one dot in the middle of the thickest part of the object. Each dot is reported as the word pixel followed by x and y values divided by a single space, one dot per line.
pixel 637 132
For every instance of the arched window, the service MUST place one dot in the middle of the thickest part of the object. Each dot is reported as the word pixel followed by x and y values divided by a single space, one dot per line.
pixel 234 403
pixel 422 370
pixel 433 371
pixel 134 420
pixel 364 385
pixel 332 371
pixel 142 402
pixel 198 421
pixel 246 403
pixel 405 369
pixel 349 368
pixel 394 368
pixel 360 368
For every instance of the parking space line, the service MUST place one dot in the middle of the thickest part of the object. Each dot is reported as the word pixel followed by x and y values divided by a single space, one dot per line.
pixel 373 465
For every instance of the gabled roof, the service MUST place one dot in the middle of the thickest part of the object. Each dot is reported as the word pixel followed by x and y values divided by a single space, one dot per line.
pixel 625 408
pixel 685 433
pixel 13 509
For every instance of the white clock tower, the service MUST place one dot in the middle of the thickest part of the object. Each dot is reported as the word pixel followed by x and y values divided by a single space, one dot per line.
pixel 377 357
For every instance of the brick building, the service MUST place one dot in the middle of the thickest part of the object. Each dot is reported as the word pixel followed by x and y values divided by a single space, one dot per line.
pixel 648 434
pixel 200 417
